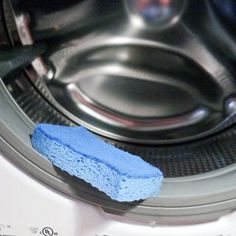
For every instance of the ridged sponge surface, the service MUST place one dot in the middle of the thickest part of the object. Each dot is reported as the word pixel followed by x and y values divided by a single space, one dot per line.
pixel 122 176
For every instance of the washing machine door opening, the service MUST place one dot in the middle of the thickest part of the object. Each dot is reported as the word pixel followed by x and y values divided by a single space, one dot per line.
pixel 147 78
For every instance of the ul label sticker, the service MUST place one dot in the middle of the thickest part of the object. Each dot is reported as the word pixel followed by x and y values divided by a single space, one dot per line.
pixel 47 231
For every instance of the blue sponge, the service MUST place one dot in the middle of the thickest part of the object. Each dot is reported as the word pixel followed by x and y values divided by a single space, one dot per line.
pixel 122 176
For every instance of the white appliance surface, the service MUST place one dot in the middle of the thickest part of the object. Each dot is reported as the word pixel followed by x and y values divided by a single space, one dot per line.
pixel 28 208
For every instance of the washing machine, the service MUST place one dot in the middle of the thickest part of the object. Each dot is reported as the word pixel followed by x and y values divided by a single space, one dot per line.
pixel 155 78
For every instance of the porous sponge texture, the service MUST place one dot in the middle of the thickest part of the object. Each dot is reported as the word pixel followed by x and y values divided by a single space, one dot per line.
pixel 122 176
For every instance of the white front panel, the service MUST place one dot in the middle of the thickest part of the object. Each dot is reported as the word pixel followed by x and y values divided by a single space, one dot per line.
pixel 30 208
pixel 27 207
